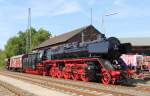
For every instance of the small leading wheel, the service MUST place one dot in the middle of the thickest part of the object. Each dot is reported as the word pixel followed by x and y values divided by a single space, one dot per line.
pixel 106 78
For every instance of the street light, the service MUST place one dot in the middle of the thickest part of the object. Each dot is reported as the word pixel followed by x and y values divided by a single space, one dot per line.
pixel 103 27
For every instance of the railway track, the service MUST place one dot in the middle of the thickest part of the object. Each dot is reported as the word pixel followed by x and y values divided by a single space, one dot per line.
pixel 81 88
pixel 74 90
pixel 10 90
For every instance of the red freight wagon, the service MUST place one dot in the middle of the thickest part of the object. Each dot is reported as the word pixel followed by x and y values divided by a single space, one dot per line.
pixel 16 62
pixel 133 60
pixel 137 62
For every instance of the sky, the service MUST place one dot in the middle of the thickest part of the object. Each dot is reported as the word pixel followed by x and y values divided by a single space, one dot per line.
pixel 60 16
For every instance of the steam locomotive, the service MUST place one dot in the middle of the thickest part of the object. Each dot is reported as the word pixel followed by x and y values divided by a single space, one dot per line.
pixel 97 60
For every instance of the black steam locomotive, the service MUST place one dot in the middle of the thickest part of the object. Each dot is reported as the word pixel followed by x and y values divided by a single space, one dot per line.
pixel 98 59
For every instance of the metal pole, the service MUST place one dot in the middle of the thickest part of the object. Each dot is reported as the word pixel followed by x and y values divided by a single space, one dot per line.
pixel 28 34
pixel 103 26
pixel 27 42
pixel 29 28
pixel 82 37
pixel 91 17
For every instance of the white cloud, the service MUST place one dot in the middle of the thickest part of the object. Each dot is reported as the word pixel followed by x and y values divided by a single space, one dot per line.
pixel 66 8
pixel 91 2
pixel 118 2
pixel 128 10
pixel 13 15
pixel 42 8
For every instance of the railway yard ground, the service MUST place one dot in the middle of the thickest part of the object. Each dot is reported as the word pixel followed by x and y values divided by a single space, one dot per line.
pixel 21 84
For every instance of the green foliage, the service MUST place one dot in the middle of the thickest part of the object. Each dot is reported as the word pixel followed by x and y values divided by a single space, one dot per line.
pixel 13 46
pixel 18 44
pixel 2 58
pixel 39 37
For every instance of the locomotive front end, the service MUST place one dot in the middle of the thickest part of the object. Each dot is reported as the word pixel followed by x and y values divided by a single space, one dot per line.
pixel 115 70
pixel 121 74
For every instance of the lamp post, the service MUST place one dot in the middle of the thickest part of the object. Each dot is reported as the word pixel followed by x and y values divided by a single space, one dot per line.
pixel 103 27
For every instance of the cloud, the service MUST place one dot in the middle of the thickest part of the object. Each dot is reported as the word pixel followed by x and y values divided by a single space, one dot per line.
pixel 91 2
pixel 127 9
pixel 118 2
pixel 14 14
pixel 46 8
pixel 67 8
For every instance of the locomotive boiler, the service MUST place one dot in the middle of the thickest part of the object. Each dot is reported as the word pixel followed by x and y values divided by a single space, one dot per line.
pixel 97 60
pixel 109 49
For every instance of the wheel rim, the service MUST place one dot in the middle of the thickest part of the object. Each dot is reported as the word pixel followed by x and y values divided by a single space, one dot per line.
pixel 59 74
pixel 106 78
pixel 53 73
pixel 66 75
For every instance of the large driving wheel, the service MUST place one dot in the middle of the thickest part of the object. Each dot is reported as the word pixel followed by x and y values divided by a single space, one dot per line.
pixel 75 76
pixel 59 74
pixel 106 78
pixel 52 73
pixel 66 75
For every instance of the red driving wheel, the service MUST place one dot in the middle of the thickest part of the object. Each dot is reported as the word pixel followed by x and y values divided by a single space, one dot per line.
pixel 75 76
pixel 66 75
pixel 52 73
pixel 106 78
pixel 59 74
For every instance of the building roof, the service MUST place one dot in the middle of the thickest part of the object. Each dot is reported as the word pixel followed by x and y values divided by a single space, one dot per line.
pixel 62 38
pixel 137 41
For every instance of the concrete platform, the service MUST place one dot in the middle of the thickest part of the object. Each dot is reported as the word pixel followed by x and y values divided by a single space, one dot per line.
pixel 34 89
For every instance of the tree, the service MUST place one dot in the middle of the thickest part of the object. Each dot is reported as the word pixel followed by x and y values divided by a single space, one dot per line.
pixel 13 46
pixel 18 44
pixel 39 37
pixel 2 58
pixel 24 38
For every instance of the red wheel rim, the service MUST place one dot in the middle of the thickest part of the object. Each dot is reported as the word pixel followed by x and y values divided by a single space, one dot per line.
pixel 106 78
pixel 59 74
pixel 75 76
pixel 84 78
pixel 66 75
pixel 53 73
